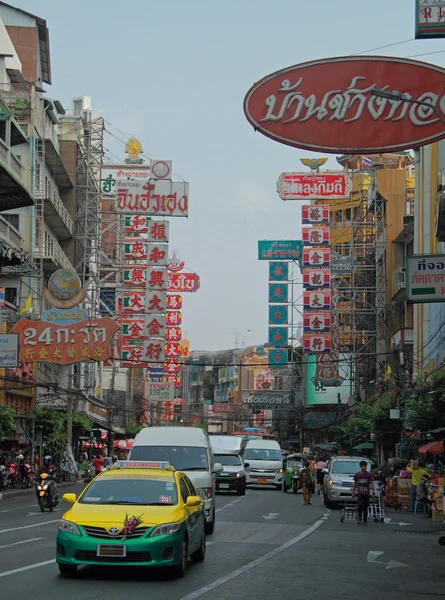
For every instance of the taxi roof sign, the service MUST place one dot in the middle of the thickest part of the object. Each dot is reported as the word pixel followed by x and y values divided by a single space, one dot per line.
pixel 143 464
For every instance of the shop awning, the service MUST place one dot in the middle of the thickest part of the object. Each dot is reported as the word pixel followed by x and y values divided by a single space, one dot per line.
pixel 364 446
pixel 331 446
pixel 432 448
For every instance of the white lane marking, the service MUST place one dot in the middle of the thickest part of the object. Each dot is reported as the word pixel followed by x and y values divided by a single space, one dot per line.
pixel 271 516
pixel 8 510
pixel 28 567
pixel 222 580
pixel 33 514
pixel 373 555
pixel 28 526
pixel 22 542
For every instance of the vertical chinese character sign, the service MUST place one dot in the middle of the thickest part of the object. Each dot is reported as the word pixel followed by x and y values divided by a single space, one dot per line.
pixel 278 312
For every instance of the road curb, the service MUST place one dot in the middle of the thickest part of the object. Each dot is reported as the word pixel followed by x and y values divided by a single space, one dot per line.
pixel 18 493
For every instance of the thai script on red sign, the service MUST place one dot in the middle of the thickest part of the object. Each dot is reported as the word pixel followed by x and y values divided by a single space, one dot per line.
pixel 327 106
pixel 305 186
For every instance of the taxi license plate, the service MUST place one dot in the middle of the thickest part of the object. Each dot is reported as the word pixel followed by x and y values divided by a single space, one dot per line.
pixel 262 480
pixel 224 486
pixel 110 550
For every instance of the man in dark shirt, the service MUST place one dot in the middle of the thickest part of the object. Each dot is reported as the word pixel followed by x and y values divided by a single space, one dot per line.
pixel 363 485
pixel 379 479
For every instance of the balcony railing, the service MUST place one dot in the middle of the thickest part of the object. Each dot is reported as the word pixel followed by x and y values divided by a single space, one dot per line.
pixel 50 194
pixel 10 235
pixel 52 251
pixel 10 160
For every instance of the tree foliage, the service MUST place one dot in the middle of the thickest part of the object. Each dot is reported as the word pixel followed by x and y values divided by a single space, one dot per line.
pixel 7 420
pixel 132 430
pixel 54 421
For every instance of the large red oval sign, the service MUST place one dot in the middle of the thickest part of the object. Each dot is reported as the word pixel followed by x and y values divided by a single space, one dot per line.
pixel 326 105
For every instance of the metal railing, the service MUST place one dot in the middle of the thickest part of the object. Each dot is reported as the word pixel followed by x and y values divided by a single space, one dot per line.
pixel 50 193
pixel 52 250
pixel 11 235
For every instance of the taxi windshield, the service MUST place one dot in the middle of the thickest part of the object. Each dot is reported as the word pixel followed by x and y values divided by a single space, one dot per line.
pixel 129 490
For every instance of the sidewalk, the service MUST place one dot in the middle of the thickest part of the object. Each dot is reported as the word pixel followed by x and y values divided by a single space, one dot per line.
pixel 14 493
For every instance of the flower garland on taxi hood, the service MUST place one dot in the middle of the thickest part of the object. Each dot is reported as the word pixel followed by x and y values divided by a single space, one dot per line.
pixel 130 524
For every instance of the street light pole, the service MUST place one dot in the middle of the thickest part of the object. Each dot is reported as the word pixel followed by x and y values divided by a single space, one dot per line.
pixel 399 97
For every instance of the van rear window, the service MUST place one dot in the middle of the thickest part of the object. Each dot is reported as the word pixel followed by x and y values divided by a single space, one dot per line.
pixel 182 458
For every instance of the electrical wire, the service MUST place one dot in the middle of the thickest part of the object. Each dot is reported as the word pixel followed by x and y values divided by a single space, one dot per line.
pixel 386 46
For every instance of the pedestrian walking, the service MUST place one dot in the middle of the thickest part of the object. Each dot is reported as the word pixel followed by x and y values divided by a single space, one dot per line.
pixel 379 479
pixel 422 494
pixel 364 487
pixel 320 475
pixel 416 475
pixel 307 483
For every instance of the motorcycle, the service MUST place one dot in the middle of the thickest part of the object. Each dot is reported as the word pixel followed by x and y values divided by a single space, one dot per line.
pixel 45 488
pixel 26 475
pixel 13 473
pixel 3 478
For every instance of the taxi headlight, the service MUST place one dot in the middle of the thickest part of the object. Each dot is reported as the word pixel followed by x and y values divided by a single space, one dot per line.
pixel 166 529
pixel 278 470
pixel 68 527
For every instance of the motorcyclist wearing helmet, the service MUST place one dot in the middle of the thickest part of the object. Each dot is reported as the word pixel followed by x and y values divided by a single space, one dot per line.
pixel 48 467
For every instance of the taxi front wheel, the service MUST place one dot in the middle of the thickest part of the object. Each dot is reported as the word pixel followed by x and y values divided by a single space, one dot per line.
pixel 200 554
pixel 181 569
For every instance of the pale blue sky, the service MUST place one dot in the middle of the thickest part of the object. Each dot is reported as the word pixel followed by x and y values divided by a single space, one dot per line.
pixel 174 73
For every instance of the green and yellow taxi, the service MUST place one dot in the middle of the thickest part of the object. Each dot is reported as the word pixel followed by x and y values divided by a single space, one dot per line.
pixel 135 514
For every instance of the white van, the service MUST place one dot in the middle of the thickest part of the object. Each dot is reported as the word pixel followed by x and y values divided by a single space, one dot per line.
pixel 187 449
pixel 265 463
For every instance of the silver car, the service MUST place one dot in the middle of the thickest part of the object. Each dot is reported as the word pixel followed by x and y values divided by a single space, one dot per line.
pixel 339 479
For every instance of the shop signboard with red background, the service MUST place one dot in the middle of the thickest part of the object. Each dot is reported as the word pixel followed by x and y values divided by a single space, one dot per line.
pixel 317 322
pixel 318 300
pixel 316 236
pixel 316 342
pixel 315 214
pixel 326 105
pixel 316 257
pixel 316 278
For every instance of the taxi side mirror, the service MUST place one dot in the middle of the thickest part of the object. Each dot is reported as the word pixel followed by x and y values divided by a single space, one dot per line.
pixel 218 468
pixel 192 501
pixel 70 498
pixel 247 465
pixel 325 471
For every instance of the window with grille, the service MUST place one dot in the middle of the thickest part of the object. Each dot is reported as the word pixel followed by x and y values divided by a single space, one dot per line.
pixel 11 295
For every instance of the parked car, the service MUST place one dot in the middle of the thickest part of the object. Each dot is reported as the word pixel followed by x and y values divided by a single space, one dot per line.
pixel 339 479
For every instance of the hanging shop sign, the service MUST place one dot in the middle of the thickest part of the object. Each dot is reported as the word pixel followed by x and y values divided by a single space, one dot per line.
pixel 9 350
pixel 320 419
pixel 134 276
pixel 280 250
pixel 317 214
pixel 173 334
pixel 319 300
pixel 131 328
pixel 154 231
pixel 269 398
pixel 142 302
pixel 316 278
pixel 316 342
pixel 314 186
pixel 430 19
pixel 132 354
pixel 40 341
pixel 175 379
pixel 161 169
pixel 157 279
pixel 174 317
pixel 183 282
pixel 157 254
pixel 425 278
pixel 157 198
pixel 278 293
pixel 174 302
pixel 326 105
pixel 316 257
pixel 159 391
pixel 154 326
pixel 278 314
pixel 317 321
pixel 278 271
pixel 316 236
pixel 155 372
pixel 185 348
pixel 172 349
pixel 328 367
pixel 278 336
pixel 135 248
pixel 277 357
pixel 172 365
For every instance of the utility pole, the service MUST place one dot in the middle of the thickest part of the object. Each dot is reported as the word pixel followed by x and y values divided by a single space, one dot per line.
pixel 110 409
pixel 69 407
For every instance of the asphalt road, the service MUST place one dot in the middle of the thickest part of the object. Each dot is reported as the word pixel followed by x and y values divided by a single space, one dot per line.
pixel 266 545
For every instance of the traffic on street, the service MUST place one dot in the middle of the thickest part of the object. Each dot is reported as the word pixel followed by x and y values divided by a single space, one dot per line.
pixel 266 545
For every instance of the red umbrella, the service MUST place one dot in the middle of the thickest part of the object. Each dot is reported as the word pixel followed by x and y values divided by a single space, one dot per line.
pixel 432 448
